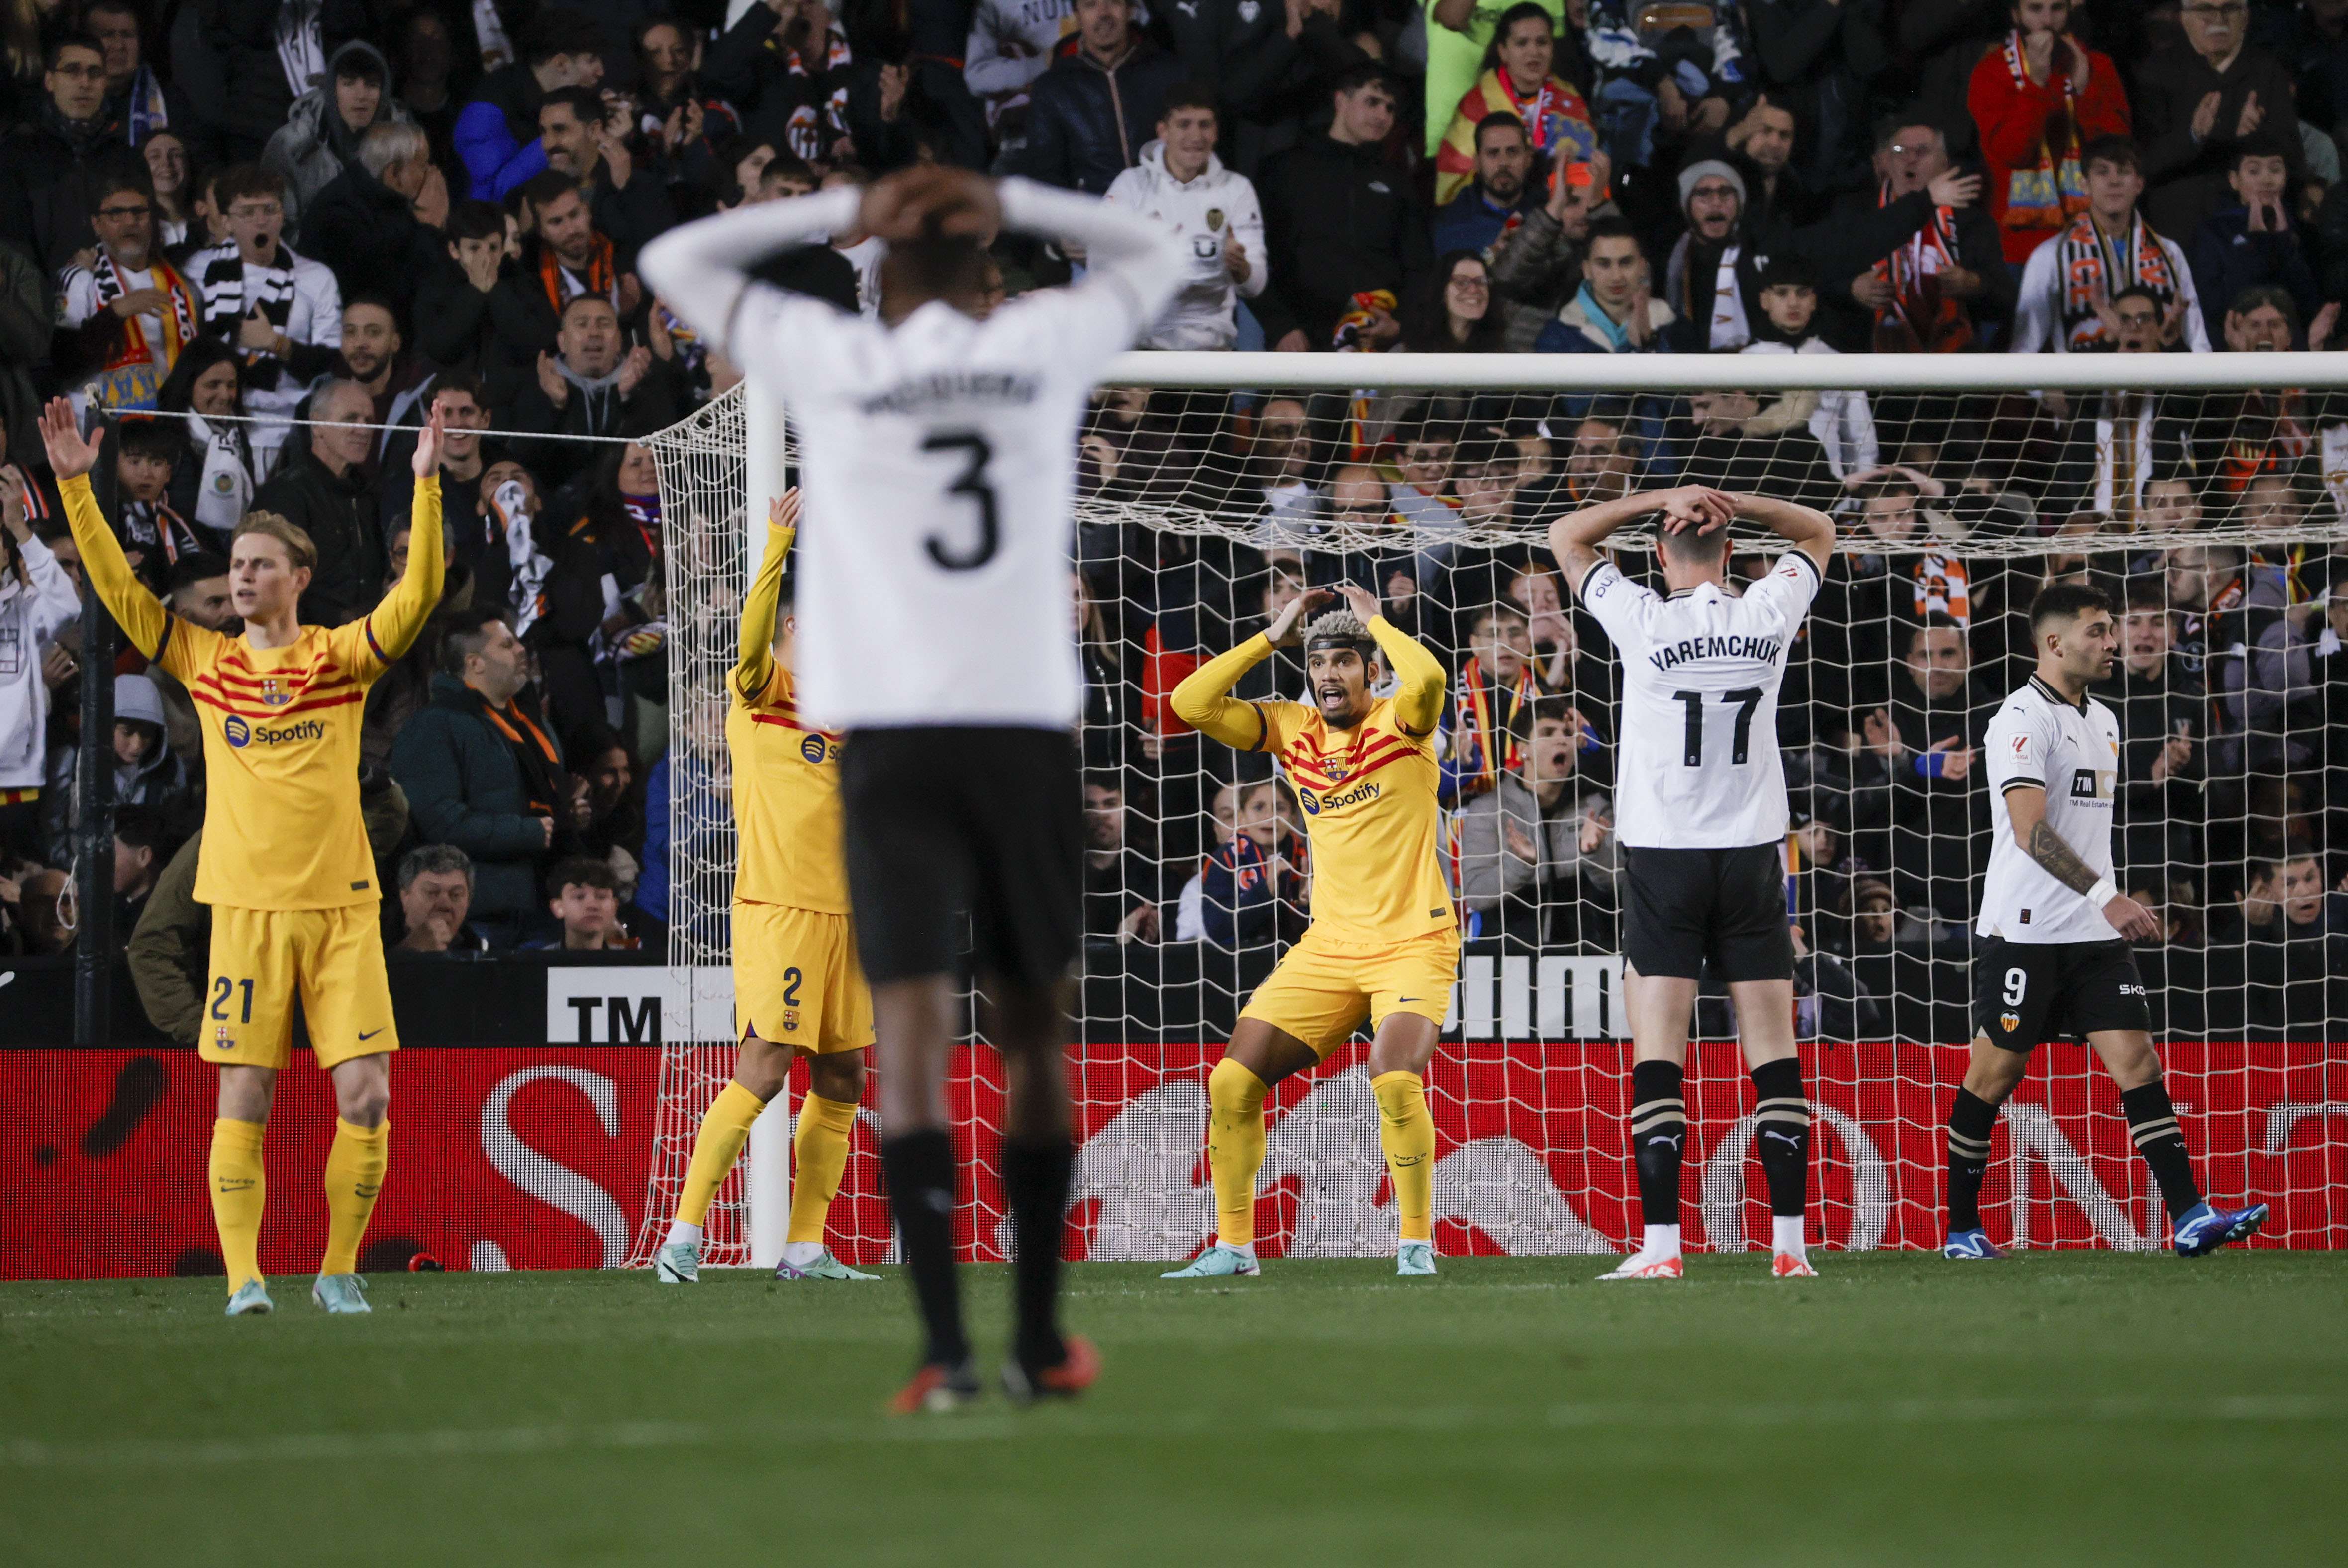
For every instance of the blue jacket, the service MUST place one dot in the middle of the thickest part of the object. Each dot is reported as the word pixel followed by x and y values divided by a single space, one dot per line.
pixel 496 134
pixel 1473 220
pixel 1240 896
pixel 1086 125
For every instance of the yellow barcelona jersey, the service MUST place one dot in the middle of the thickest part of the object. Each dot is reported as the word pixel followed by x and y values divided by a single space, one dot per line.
pixel 1370 809
pixel 282 824
pixel 785 802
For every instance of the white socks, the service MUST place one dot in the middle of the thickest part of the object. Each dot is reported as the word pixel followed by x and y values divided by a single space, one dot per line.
pixel 798 1254
pixel 1245 1249
pixel 1785 1235
pixel 1660 1242
pixel 678 1231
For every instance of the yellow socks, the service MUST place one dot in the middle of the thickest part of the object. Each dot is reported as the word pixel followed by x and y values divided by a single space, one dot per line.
pixel 1407 1134
pixel 239 1190
pixel 1234 1148
pixel 715 1149
pixel 354 1168
pixel 821 1150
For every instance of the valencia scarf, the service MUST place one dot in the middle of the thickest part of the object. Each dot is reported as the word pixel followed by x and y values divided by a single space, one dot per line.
pixel 561 282
pixel 2054 191
pixel 224 493
pixel 1919 318
pixel 134 374
pixel 1483 745
pixel 2091 267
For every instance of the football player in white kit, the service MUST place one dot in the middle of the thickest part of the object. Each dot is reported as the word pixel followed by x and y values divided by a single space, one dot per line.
pixel 2053 961
pixel 938 448
pixel 1700 809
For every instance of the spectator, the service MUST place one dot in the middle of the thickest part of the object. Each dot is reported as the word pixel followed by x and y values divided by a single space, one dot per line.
pixel 465 413
pixel 1453 313
pixel 375 357
pixel 1778 203
pixel 321 134
pixel 453 322
pixel 1497 687
pixel 136 99
pixel 1252 891
pixel 497 133
pixel 592 386
pixel 1340 225
pixel 1093 109
pixel 43 905
pixel 436 898
pixel 143 842
pixel 1500 196
pixel 321 487
pixel 2192 105
pixel 1713 281
pixel 481 773
pixel 568 257
pixel 1843 422
pixel 48 163
pixel 1817 56
pixel 130 311
pixel 1121 889
pixel 366 223
pixel 36 602
pixel 1616 311
pixel 1672 72
pixel 284 311
pixel 1534 254
pixel 212 483
pixel 177 226
pixel 1516 80
pixel 1527 845
pixel 1931 266
pixel 1180 182
pixel 196 590
pixel 584 896
pixel 2068 282
pixel 781 70
pixel 2275 968
pixel 154 535
pixel 1923 744
pixel 2161 707
pixel 2039 101
pixel 607 808
pixel 2114 458
pixel 2253 243
pixel 628 209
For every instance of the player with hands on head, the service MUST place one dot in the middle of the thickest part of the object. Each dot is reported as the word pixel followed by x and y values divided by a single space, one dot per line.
pixel 2054 928
pixel 933 633
pixel 1384 943
pixel 798 990
pixel 1701 819
pixel 285 862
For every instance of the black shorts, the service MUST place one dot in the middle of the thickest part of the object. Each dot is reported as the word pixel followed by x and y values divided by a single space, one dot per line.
pixel 1680 907
pixel 2029 992
pixel 980 821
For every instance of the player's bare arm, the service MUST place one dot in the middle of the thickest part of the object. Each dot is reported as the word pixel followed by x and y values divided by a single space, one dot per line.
pixel 2027 809
pixel 1807 529
pixel 1574 539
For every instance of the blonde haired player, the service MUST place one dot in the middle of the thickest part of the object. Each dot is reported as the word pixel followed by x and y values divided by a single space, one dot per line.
pixel 285 863
pixel 797 989
pixel 1383 942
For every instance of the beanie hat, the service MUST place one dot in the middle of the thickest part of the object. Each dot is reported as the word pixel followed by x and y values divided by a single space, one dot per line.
pixel 1705 167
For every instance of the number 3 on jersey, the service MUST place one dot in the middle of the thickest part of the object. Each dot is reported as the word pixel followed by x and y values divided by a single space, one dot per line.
pixel 974 484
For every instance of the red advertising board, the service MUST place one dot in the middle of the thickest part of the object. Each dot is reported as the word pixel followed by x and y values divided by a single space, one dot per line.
pixel 542 1158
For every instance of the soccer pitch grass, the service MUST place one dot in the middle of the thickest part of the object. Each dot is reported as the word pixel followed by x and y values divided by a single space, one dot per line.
pixel 2062 1408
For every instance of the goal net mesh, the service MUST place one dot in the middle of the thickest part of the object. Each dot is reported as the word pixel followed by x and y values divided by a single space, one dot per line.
pixel 2211 517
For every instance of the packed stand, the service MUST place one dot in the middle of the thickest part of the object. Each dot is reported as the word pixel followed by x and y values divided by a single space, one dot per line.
pixel 259 243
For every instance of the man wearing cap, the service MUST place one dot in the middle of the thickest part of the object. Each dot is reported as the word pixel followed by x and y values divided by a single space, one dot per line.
pixel 1712 280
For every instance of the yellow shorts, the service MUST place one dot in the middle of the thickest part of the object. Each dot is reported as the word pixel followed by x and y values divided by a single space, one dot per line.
pixel 262 958
pixel 797 981
pixel 1322 987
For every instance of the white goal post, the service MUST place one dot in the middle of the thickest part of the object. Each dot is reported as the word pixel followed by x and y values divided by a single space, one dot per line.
pixel 2208 492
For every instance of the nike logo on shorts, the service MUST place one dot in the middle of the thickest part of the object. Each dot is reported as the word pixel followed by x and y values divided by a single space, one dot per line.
pixel 371 1034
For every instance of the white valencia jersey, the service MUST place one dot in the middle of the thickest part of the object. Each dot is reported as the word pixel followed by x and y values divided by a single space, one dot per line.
pixel 2041 741
pixel 1700 768
pixel 937 462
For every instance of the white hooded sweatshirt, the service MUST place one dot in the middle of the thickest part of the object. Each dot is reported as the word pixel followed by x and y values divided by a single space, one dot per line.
pixel 31 615
pixel 1202 212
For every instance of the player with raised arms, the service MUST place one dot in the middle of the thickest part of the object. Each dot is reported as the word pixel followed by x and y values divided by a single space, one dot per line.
pixel 938 449
pixel 797 989
pixel 2054 929
pixel 1700 809
pixel 1384 943
pixel 285 864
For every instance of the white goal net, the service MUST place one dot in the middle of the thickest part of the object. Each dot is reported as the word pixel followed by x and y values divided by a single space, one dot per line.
pixel 2204 496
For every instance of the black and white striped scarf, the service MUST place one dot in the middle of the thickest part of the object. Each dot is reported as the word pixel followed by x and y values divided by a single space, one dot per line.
pixel 228 297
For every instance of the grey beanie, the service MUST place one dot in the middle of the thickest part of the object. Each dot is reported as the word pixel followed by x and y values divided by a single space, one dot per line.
pixel 1704 167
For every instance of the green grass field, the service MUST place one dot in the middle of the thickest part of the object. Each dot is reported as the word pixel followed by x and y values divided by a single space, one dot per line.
pixel 2068 1408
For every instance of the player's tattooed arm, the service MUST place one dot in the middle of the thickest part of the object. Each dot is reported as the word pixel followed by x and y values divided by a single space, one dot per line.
pixel 2026 806
pixel 2061 861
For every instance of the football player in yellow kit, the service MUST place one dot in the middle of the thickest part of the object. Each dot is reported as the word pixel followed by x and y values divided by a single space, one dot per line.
pixel 1383 942
pixel 798 987
pixel 285 863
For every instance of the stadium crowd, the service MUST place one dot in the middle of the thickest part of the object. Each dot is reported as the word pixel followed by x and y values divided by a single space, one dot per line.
pixel 257 242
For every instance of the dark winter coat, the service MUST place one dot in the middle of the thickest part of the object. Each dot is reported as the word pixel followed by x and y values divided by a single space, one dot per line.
pixel 339 515
pixel 466 787
pixel 244 35
pixel 1087 123
pixel 45 194
pixel 1337 221
pixel 368 234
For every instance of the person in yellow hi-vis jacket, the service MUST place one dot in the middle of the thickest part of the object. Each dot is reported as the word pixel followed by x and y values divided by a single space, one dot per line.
pixel 1383 942
pixel 285 863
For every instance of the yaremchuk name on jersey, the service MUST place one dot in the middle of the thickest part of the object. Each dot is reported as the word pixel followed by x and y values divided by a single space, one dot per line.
pixel 282 824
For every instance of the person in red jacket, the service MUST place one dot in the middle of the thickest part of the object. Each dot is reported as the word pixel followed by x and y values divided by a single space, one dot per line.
pixel 2038 98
